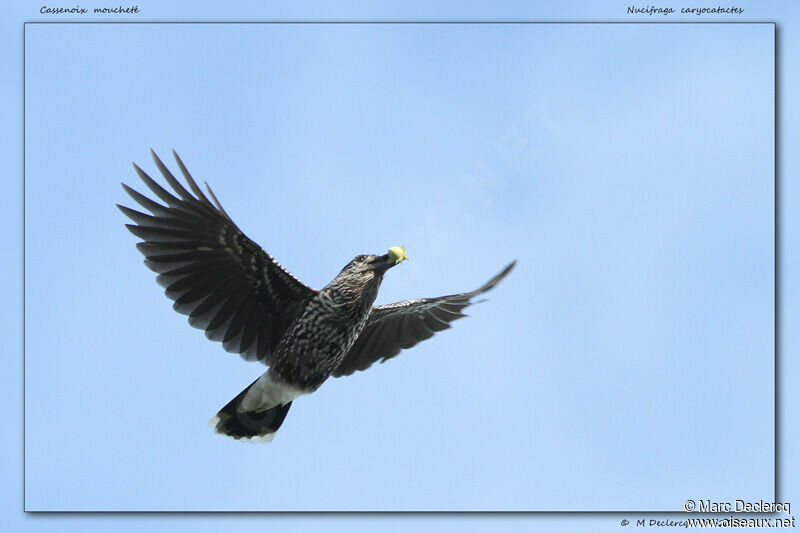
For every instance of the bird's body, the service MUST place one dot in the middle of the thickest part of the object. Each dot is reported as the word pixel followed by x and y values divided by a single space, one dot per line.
pixel 242 297
pixel 315 344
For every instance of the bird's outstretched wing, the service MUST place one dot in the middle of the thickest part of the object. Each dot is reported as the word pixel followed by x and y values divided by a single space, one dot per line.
pixel 225 282
pixel 398 326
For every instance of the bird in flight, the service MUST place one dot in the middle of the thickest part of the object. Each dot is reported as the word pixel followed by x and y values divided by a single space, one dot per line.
pixel 242 297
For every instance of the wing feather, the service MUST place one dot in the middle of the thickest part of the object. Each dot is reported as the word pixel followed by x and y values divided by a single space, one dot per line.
pixel 225 283
pixel 399 326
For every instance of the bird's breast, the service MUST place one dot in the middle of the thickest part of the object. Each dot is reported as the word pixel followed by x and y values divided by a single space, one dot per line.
pixel 316 343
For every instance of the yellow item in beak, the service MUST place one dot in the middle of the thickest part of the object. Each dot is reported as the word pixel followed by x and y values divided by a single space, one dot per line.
pixel 397 254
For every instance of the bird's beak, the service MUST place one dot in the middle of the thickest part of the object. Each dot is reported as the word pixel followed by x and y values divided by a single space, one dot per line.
pixel 396 255
pixel 383 263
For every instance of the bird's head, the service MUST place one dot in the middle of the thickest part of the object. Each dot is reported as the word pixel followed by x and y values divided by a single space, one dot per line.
pixel 375 266
pixel 370 265
pixel 359 280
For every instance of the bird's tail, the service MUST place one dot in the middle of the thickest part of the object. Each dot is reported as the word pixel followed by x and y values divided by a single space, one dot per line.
pixel 241 420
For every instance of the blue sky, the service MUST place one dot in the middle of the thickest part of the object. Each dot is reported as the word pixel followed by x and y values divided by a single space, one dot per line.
pixel 626 364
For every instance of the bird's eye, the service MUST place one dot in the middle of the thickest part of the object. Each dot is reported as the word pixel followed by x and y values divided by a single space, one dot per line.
pixel 361 258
